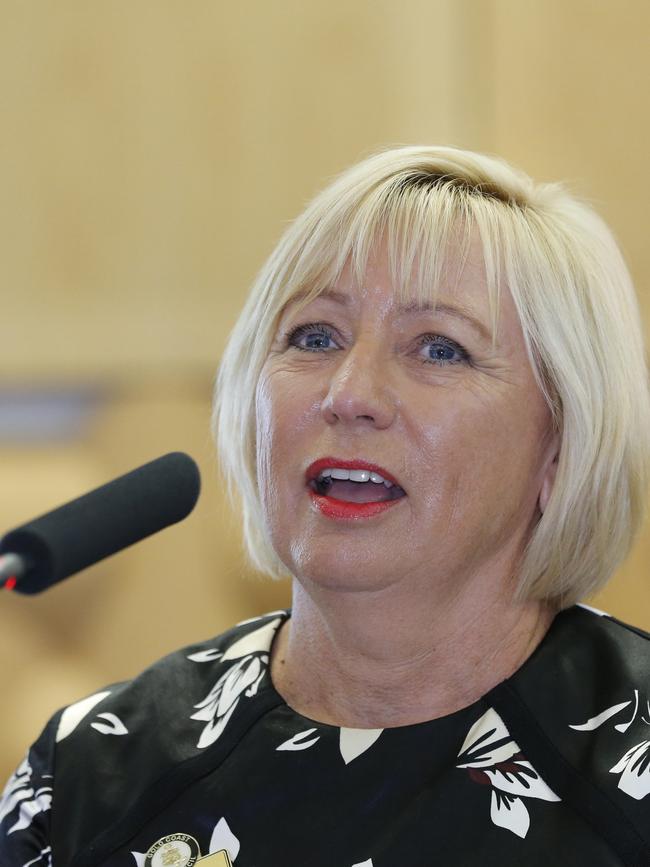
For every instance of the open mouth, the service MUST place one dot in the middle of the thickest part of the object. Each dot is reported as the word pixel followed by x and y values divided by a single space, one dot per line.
pixel 352 482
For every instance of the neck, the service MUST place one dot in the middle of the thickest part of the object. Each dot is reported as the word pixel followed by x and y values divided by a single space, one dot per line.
pixel 376 659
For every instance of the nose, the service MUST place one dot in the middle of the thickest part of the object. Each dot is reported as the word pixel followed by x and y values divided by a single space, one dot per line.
pixel 359 391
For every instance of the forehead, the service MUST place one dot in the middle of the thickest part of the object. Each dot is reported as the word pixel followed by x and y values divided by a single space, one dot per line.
pixel 393 305
pixel 461 290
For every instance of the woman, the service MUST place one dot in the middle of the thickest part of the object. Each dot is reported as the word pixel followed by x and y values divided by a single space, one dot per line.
pixel 434 409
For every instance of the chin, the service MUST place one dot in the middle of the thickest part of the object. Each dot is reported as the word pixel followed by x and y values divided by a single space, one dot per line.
pixel 342 583
pixel 312 570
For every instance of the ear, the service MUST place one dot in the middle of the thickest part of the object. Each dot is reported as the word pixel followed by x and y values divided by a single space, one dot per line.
pixel 549 474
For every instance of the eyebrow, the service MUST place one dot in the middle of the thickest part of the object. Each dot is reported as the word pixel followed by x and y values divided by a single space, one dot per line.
pixel 413 307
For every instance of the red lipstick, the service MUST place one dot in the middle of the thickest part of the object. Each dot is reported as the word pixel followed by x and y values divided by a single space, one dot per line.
pixel 340 509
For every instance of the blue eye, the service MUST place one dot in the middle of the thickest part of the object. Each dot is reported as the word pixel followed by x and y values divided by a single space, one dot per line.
pixel 442 351
pixel 314 338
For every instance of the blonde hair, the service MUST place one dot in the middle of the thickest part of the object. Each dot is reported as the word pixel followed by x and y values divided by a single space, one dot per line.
pixel 577 309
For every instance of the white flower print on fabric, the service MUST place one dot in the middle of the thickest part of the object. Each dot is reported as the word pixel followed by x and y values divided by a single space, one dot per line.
pixel 241 680
pixel 22 800
pixel 352 742
pixel 508 811
pixel 634 765
pixel 492 758
pixel 111 725
pixel 223 838
pixel 220 703
pixel 258 641
pixel 75 713
pixel 634 768
pixel 298 742
pixel 596 721
pixel 206 655
pixel 43 859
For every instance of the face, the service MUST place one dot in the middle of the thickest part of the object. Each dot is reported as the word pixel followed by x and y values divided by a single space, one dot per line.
pixel 460 426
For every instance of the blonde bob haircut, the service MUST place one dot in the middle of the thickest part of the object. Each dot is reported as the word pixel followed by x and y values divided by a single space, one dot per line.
pixel 578 313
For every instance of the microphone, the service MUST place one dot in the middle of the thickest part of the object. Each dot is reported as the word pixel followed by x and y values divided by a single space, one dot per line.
pixel 100 523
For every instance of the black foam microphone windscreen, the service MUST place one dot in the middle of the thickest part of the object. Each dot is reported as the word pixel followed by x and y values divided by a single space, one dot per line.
pixel 104 521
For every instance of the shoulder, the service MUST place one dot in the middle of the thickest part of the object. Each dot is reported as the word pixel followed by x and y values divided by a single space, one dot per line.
pixel 25 805
pixel 173 688
pixel 580 707
pixel 99 756
pixel 590 672
pixel 590 656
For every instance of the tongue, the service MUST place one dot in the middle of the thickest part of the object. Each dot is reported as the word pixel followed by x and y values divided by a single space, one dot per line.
pixel 358 492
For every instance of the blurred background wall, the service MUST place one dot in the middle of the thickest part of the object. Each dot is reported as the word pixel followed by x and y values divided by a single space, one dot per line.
pixel 152 151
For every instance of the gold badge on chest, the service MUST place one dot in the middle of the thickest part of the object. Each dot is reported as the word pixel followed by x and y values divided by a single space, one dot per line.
pixel 181 850
pixel 217 859
pixel 174 850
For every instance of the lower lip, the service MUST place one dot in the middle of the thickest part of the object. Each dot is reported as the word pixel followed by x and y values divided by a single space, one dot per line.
pixel 343 511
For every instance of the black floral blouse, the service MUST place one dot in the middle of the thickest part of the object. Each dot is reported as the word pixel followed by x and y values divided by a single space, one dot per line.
pixel 200 761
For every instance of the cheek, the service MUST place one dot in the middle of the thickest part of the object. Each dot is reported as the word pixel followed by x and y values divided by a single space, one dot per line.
pixel 286 404
pixel 471 449
pixel 281 413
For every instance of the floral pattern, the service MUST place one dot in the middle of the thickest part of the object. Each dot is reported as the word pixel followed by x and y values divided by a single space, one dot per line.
pixel 634 764
pixel 231 672
pixel 22 798
pixel 22 801
pixel 634 768
pixel 352 742
pixel 492 758
pixel 242 680
pixel 75 713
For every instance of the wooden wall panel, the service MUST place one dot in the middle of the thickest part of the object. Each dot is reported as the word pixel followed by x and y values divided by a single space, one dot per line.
pixel 154 153
pixel 570 80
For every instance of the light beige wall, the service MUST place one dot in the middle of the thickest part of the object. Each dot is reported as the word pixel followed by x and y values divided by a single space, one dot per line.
pixel 569 84
pixel 152 152
pixel 156 149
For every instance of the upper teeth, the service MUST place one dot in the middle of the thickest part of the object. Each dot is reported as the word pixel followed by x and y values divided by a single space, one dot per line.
pixel 354 476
